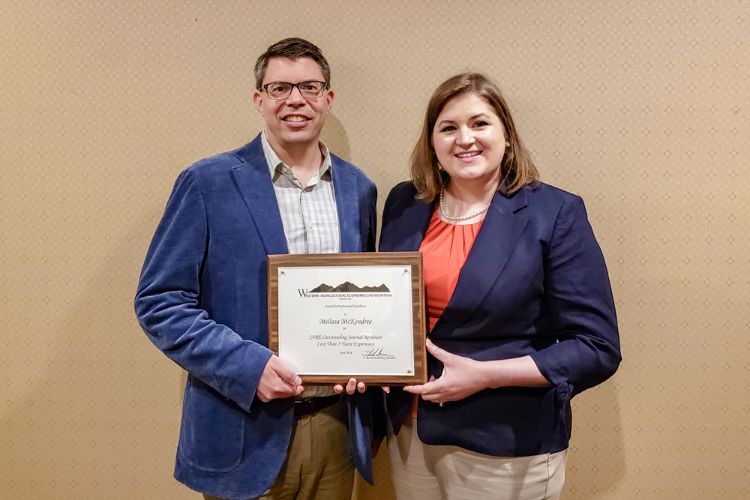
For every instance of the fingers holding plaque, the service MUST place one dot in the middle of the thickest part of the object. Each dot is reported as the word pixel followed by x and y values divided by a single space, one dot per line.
pixel 337 316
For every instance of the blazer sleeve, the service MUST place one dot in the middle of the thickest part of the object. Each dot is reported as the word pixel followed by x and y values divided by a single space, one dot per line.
pixel 167 302
pixel 579 298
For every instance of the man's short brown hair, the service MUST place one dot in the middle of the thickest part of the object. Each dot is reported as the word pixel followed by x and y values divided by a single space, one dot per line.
pixel 291 48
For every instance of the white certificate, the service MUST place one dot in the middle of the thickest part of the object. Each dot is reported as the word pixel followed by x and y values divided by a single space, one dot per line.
pixel 348 315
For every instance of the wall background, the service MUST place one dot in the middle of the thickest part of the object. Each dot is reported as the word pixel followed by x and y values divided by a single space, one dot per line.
pixel 641 107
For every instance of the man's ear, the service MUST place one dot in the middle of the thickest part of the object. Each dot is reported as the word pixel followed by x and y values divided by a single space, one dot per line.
pixel 258 100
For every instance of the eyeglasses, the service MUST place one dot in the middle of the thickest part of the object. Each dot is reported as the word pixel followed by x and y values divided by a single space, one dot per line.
pixel 282 90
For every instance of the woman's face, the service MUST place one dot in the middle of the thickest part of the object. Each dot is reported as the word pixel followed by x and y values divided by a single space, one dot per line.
pixel 469 140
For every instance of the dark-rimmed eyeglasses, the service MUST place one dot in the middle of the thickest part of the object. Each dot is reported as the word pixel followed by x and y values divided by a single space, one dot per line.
pixel 282 90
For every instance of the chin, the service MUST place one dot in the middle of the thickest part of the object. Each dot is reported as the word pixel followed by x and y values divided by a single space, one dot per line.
pixel 299 136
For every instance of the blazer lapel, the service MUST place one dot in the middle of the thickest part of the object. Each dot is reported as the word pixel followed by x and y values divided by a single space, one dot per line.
pixel 254 182
pixel 409 228
pixel 347 206
pixel 495 242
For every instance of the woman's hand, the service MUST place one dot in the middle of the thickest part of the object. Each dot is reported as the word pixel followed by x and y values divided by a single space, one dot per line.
pixel 351 387
pixel 461 377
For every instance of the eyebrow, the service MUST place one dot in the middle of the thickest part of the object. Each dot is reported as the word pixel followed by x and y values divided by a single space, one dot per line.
pixel 473 117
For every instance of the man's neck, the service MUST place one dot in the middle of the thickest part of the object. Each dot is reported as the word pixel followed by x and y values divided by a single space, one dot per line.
pixel 304 159
pixel 305 155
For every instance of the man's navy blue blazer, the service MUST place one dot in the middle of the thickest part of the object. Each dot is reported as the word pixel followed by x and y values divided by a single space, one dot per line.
pixel 534 283
pixel 202 299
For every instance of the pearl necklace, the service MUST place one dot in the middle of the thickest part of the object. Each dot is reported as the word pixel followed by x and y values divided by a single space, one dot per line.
pixel 459 218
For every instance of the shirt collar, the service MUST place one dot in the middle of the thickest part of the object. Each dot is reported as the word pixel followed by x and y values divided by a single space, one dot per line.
pixel 275 163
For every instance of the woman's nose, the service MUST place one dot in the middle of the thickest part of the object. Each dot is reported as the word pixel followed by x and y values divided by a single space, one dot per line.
pixel 465 137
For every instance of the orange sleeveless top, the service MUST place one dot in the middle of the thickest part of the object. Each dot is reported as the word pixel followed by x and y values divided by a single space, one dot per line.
pixel 444 248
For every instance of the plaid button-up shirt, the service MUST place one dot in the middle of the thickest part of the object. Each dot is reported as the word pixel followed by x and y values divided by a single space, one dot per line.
pixel 308 213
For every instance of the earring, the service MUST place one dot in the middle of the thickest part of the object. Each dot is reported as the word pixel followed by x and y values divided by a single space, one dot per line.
pixel 507 144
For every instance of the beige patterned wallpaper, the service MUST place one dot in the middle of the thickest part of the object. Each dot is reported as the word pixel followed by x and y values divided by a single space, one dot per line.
pixel 642 107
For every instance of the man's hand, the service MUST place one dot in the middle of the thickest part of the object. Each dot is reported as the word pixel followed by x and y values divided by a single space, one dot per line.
pixel 278 381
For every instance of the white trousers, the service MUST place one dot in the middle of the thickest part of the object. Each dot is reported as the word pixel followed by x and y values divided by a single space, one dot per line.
pixel 421 471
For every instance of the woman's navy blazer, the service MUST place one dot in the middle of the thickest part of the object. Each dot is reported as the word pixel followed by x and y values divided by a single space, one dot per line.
pixel 535 283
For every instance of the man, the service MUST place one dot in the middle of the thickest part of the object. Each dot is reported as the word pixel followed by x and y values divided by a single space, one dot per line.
pixel 248 429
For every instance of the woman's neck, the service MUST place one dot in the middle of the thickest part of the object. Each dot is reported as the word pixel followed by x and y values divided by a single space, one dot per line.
pixel 466 194
pixel 466 203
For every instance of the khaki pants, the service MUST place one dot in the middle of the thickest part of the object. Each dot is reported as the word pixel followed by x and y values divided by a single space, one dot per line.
pixel 319 463
pixel 421 471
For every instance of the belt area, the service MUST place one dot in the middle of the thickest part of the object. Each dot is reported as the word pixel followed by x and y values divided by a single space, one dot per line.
pixel 309 406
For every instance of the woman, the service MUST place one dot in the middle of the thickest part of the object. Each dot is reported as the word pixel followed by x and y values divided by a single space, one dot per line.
pixel 521 315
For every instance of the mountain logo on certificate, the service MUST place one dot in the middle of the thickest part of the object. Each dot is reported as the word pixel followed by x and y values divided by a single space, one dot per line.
pixel 348 287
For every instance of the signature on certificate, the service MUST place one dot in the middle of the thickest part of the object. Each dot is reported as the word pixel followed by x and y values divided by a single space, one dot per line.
pixel 377 354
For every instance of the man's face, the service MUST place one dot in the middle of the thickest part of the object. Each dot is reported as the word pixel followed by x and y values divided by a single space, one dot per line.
pixel 295 120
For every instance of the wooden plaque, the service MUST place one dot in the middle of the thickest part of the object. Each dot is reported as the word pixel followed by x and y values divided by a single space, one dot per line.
pixel 337 316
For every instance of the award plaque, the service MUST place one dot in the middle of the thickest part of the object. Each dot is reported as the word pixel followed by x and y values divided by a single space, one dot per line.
pixel 337 316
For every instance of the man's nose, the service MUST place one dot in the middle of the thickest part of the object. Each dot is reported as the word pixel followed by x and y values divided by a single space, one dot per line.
pixel 295 96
